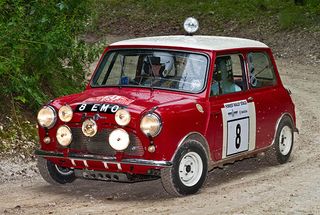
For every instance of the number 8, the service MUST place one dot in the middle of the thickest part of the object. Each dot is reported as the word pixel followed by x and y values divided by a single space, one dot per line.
pixel 238 136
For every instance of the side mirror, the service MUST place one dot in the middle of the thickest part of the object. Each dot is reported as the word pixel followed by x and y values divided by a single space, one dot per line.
pixel 217 76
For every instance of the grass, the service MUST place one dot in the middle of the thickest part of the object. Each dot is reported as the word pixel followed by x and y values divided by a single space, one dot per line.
pixel 18 136
pixel 150 15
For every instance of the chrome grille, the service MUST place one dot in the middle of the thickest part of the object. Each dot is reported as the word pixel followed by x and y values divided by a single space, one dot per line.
pixel 99 144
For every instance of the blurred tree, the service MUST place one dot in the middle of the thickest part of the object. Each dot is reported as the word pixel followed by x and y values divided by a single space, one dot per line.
pixel 40 49
pixel 299 2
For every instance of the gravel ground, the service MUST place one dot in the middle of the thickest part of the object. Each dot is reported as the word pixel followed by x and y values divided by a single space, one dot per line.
pixel 250 186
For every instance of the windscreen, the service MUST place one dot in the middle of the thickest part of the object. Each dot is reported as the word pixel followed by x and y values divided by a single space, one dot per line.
pixel 173 70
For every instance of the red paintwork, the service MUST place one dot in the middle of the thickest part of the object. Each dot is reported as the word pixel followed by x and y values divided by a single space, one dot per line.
pixel 179 114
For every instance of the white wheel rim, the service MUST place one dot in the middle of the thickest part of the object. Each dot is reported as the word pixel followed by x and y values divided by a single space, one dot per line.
pixel 63 171
pixel 190 169
pixel 285 140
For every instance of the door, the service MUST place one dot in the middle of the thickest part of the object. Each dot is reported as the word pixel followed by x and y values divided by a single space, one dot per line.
pixel 263 84
pixel 232 124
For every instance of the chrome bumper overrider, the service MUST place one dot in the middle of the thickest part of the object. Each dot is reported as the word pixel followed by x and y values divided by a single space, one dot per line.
pixel 111 160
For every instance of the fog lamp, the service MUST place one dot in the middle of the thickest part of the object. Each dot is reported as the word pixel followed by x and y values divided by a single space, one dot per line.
pixel 64 135
pixel 89 128
pixel 65 113
pixel 122 117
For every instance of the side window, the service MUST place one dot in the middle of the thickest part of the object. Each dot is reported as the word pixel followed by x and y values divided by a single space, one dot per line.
pixel 261 71
pixel 229 75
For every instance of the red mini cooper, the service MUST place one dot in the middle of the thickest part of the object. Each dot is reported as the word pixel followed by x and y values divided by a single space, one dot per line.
pixel 171 107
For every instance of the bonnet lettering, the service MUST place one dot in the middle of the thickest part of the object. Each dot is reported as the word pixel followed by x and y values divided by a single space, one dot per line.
pixel 82 107
pixel 114 108
pixel 104 108
pixel 95 108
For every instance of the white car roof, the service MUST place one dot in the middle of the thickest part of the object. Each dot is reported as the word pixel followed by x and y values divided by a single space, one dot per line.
pixel 197 42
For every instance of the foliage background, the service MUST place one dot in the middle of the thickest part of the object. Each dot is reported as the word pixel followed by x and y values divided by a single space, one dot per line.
pixel 41 53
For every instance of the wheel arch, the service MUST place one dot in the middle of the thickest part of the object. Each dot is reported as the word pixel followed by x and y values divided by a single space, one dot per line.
pixel 196 136
pixel 286 114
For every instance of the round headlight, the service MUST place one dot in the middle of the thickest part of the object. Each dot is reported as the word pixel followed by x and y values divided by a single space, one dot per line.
pixel 122 117
pixel 191 25
pixel 89 128
pixel 47 117
pixel 65 113
pixel 64 135
pixel 150 125
pixel 119 139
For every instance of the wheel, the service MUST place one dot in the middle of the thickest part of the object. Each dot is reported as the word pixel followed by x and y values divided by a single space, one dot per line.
pixel 188 172
pixel 280 151
pixel 55 174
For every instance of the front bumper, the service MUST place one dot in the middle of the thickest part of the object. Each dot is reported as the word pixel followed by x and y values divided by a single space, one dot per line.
pixel 105 160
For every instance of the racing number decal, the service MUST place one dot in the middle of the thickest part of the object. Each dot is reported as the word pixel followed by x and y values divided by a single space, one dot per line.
pixel 238 121
pixel 238 136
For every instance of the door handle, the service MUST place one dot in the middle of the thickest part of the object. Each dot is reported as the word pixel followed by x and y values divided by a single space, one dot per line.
pixel 250 99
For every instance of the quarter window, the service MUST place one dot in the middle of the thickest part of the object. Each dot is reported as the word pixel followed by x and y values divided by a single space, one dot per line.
pixel 261 71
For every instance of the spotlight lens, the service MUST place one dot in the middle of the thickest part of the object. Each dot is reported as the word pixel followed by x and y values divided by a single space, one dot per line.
pixel 64 135
pixel 89 128
pixel 122 117
pixel 65 113
pixel 191 25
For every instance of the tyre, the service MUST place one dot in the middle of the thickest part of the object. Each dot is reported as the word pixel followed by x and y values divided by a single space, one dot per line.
pixel 188 172
pixel 280 151
pixel 55 174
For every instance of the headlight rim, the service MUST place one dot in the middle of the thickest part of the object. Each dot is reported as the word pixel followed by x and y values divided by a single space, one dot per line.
pixel 65 126
pixel 160 124
pixel 68 106
pixel 55 116
pixel 115 117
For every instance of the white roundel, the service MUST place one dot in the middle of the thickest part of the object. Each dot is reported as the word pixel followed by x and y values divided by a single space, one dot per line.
pixel 119 139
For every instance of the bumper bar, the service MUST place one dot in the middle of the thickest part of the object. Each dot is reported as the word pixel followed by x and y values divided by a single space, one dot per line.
pixel 111 160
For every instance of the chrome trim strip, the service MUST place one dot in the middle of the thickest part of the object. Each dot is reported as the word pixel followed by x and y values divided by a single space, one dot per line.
pixel 109 160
